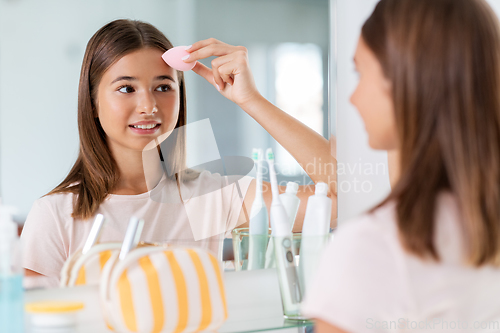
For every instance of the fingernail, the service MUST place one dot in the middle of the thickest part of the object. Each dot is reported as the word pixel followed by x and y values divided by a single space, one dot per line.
pixel 185 57
pixel 188 47
pixel 218 88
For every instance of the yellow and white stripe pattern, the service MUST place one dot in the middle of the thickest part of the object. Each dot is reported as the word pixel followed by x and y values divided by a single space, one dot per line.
pixel 90 271
pixel 86 269
pixel 167 290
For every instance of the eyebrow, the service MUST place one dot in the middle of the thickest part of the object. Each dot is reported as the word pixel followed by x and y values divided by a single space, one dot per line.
pixel 131 78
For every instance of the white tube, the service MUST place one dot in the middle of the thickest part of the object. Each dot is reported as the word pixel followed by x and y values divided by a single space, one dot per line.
pixel 291 202
pixel 315 232
pixel 283 247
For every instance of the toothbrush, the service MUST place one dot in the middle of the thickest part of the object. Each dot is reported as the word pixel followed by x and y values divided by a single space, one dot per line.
pixel 132 236
pixel 277 212
pixel 279 219
pixel 95 233
pixel 282 237
pixel 259 220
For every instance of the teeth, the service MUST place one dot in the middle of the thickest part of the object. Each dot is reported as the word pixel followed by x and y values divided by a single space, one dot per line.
pixel 145 126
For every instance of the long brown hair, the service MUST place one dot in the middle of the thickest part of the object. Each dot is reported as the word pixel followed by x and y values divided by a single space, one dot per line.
pixel 443 60
pixel 95 173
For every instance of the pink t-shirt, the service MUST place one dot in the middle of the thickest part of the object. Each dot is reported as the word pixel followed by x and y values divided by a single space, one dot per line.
pixel 50 235
pixel 368 283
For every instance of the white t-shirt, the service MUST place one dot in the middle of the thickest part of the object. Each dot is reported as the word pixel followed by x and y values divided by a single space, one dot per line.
pixel 368 283
pixel 50 235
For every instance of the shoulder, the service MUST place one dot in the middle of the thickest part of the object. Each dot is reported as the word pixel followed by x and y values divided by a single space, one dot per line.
pixel 58 206
pixel 57 200
pixel 367 245
pixel 46 232
pixel 362 266
pixel 377 227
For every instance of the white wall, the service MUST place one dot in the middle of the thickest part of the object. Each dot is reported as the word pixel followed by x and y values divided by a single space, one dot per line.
pixel 363 180
pixel 495 4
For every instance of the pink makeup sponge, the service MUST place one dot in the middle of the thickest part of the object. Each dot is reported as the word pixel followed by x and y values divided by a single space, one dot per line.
pixel 173 58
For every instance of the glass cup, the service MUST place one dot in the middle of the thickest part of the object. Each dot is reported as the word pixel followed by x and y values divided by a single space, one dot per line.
pixel 263 251
pixel 255 251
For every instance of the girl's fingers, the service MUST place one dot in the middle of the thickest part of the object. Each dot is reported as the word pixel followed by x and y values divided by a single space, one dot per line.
pixel 210 75
pixel 227 72
pixel 225 66
pixel 227 78
pixel 219 61
pixel 202 43
pixel 217 78
pixel 212 48
pixel 204 72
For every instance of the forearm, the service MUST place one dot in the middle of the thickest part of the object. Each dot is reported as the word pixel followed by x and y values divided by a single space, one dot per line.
pixel 311 150
pixel 231 74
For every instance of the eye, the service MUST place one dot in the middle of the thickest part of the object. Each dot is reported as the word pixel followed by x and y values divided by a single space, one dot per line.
pixel 126 89
pixel 164 88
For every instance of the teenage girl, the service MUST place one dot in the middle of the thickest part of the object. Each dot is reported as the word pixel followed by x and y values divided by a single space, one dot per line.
pixel 428 257
pixel 129 98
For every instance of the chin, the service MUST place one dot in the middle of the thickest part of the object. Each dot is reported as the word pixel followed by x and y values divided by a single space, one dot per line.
pixel 378 145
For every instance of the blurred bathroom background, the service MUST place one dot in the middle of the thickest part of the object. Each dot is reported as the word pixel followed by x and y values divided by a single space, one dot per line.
pixel 41 50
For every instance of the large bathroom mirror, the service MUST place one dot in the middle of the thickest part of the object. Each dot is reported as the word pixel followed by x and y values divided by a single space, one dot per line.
pixel 42 44
pixel 41 50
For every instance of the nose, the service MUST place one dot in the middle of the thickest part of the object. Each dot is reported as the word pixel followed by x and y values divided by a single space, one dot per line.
pixel 147 104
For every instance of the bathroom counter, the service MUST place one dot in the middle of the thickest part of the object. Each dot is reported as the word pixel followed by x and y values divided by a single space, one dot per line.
pixel 253 300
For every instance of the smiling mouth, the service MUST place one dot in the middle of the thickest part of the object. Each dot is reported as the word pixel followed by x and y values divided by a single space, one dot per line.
pixel 145 127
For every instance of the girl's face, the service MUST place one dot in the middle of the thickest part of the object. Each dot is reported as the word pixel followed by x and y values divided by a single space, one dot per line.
pixel 137 100
pixel 373 99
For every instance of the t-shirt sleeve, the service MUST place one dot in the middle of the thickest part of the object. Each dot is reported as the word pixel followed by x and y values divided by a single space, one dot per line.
pixel 43 241
pixel 357 283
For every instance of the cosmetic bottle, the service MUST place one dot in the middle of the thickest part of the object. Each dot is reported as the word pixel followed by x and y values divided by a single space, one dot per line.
pixel 315 232
pixel 259 220
pixel 291 202
pixel 291 293
pixel 11 275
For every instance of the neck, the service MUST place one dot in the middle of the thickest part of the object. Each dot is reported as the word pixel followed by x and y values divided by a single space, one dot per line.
pixel 139 172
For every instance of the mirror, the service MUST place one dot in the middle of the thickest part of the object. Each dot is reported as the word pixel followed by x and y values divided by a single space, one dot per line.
pixel 42 45
pixel 41 51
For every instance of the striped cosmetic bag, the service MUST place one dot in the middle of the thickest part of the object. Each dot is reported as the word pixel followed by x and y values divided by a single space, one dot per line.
pixel 86 269
pixel 157 289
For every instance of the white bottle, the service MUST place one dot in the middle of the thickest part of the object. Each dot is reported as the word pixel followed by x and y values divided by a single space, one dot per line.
pixel 259 220
pixel 11 275
pixel 315 232
pixel 291 202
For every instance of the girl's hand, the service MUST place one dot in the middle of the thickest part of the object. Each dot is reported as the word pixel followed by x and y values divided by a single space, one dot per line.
pixel 230 72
